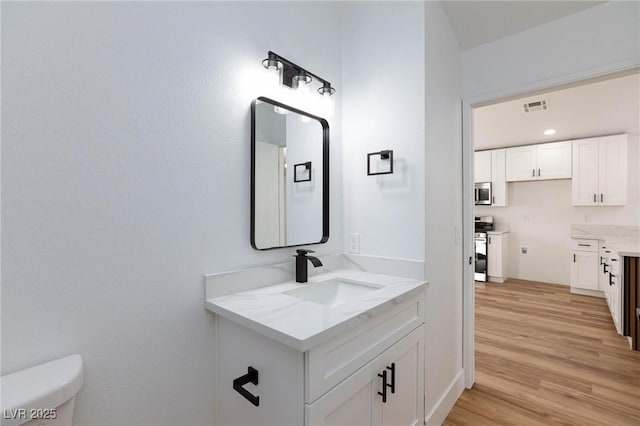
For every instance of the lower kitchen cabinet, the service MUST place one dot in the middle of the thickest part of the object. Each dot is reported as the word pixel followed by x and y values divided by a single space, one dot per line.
pixel 584 266
pixel 584 270
pixel 497 252
pixel 386 391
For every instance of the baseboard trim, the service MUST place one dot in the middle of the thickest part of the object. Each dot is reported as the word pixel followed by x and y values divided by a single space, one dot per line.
pixel 585 292
pixel 446 402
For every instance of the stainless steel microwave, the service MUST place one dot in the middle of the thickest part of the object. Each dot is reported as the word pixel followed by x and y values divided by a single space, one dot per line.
pixel 483 193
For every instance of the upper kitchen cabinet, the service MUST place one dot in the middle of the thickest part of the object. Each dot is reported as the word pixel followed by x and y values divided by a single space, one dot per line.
pixel 498 178
pixel 482 166
pixel 600 171
pixel 539 162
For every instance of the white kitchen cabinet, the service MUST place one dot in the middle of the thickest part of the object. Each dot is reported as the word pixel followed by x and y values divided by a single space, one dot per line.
pixel 603 268
pixel 497 245
pixel 358 400
pixel 584 265
pixel 498 178
pixel 612 170
pixel 521 163
pixel 600 171
pixel 539 162
pixel 335 382
pixel 482 166
pixel 584 270
pixel 615 291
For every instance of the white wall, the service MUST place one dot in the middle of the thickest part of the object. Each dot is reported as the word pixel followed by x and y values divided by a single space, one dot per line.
pixel 383 108
pixel 443 215
pixel 540 216
pixel 596 40
pixel 125 179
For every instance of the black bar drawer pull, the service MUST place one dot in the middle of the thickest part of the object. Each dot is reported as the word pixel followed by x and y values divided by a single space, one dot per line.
pixel 584 245
pixel 250 377
pixel 393 376
pixel 385 384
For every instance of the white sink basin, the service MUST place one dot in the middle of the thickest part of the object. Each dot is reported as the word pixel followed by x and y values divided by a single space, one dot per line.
pixel 332 292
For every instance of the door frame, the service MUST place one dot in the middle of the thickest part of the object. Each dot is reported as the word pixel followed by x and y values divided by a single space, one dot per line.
pixel 468 104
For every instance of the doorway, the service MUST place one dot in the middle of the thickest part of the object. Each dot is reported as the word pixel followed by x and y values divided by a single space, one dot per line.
pixel 469 109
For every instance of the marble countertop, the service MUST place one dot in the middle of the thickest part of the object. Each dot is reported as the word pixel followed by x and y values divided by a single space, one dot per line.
pixel 625 240
pixel 302 324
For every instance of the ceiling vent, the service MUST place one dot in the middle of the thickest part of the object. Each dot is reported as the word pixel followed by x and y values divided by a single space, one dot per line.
pixel 535 106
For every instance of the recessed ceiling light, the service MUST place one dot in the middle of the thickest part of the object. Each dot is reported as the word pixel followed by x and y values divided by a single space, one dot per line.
pixel 550 132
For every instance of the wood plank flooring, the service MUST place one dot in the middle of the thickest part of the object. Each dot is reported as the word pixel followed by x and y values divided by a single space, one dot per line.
pixel 545 356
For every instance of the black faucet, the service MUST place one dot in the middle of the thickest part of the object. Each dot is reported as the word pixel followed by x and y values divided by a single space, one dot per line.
pixel 301 264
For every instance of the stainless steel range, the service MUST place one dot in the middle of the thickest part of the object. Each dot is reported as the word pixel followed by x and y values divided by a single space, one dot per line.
pixel 482 225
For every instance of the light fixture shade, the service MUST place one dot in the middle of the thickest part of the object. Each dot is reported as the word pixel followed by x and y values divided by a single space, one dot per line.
pixel 326 89
pixel 301 80
pixel 272 62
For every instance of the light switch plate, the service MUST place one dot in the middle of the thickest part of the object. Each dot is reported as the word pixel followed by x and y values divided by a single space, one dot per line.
pixel 524 250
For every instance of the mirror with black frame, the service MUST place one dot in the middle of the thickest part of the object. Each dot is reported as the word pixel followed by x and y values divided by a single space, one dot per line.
pixel 289 176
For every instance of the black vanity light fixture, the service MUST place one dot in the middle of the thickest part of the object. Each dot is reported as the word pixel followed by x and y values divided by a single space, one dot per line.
pixel 294 76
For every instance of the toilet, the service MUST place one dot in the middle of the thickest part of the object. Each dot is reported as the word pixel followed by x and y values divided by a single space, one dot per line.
pixel 43 395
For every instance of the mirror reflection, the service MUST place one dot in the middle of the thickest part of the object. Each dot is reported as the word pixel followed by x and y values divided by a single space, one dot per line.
pixel 290 197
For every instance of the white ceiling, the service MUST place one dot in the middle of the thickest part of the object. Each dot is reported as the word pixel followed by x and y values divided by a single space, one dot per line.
pixel 480 22
pixel 602 108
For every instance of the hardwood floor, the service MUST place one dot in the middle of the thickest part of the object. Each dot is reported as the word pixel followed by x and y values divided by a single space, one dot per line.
pixel 545 356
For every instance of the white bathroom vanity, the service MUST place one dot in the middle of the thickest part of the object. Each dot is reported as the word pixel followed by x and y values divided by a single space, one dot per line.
pixel 345 348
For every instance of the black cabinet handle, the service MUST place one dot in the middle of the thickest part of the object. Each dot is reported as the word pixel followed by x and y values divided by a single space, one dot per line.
pixel 393 376
pixel 584 245
pixel 538 172
pixel 601 197
pixel 384 386
pixel 574 258
pixel 604 268
pixel 533 172
pixel 250 377
pixel 594 198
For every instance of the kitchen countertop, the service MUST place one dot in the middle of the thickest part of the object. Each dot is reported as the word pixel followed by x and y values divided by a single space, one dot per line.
pixel 625 240
pixel 498 232
pixel 302 324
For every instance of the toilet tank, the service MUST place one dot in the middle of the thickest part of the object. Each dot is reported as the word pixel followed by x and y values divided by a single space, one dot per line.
pixel 41 395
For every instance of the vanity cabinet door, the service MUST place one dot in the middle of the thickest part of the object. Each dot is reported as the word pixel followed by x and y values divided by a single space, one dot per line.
pixel 405 406
pixel 280 379
pixel 357 400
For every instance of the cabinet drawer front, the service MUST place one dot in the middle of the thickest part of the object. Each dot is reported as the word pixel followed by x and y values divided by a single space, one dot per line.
pixel 330 363
pixel 584 245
